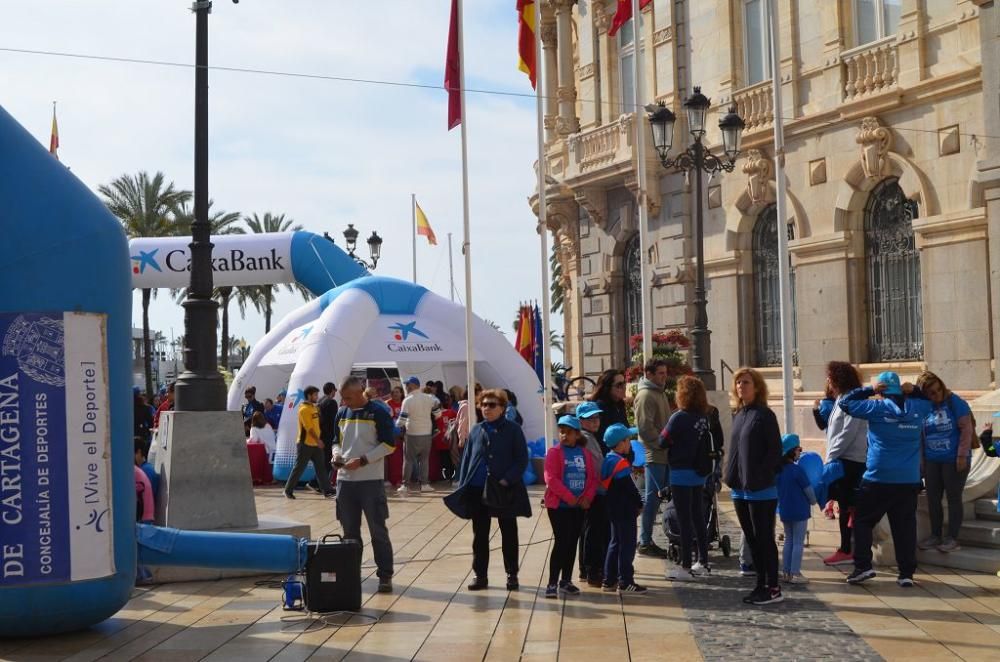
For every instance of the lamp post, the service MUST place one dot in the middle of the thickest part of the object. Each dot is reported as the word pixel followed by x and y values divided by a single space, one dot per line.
pixel 200 387
pixel 698 159
pixel 374 246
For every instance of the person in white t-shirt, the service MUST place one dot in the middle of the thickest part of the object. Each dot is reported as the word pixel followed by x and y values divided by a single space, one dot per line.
pixel 262 433
pixel 417 417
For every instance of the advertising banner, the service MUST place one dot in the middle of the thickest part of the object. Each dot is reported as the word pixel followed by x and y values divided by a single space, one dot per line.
pixel 55 487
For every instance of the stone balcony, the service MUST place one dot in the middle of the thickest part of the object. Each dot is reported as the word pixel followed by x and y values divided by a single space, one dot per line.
pixel 601 151
pixel 755 104
pixel 870 69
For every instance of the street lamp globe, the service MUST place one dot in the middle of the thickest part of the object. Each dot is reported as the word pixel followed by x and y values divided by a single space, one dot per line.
pixel 375 247
pixel 732 132
pixel 697 108
pixel 661 123
pixel 351 238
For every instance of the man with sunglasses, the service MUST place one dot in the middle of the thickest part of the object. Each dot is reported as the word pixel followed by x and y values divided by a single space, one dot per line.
pixel 652 410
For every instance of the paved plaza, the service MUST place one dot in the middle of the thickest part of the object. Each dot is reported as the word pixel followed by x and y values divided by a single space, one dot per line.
pixel 430 616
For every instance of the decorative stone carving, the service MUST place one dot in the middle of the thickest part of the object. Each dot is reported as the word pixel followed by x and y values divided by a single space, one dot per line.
pixel 602 19
pixel 817 172
pixel 548 35
pixel 566 93
pixel 594 201
pixel 585 71
pixel 567 125
pixel 875 141
pixel 949 140
pixel 758 169
pixel 663 36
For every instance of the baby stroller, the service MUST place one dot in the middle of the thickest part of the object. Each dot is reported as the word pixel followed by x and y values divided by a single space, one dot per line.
pixel 672 529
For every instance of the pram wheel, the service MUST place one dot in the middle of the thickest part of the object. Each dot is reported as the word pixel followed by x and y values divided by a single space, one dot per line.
pixel 726 545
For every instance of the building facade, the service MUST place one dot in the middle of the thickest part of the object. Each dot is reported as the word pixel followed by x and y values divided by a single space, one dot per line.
pixel 891 165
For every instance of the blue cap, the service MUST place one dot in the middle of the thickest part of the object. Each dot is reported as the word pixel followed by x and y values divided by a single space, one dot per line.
pixel 891 381
pixel 587 410
pixel 412 380
pixel 789 442
pixel 617 432
pixel 569 422
pixel 137 390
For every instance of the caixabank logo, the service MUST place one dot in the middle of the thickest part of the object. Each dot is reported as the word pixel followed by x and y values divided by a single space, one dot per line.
pixel 406 337
pixel 145 259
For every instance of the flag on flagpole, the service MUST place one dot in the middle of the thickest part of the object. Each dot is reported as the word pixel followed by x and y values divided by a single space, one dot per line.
pixel 623 14
pixel 519 328
pixel 527 58
pixel 54 138
pixel 423 226
pixel 525 334
pixel 453 71
pixel 539 346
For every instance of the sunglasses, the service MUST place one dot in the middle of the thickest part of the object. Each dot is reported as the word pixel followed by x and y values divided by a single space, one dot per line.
pixel 489 405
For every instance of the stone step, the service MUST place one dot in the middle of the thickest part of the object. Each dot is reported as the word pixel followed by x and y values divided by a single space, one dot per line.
pixel 981 533
pixel 974 559
pixel 986 509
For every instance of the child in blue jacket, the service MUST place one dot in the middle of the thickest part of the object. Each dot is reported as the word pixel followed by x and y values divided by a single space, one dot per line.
pixel 624 505
pixel 795 499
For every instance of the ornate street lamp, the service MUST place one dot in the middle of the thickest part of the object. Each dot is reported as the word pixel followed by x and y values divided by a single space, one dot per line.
pixel 351 243
pixel 698 159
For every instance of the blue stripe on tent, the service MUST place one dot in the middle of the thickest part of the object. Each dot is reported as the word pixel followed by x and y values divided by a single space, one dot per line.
pixel 391 295
pixel 319 265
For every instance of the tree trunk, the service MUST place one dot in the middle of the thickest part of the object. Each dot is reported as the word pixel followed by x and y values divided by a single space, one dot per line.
pixel 267 309
pixel 147 361
pixel 226 293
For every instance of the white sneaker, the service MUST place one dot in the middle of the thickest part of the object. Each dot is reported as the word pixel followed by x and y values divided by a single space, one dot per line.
pixel 402 490
pixel 697 569
pixel 426 487
pixel 679 574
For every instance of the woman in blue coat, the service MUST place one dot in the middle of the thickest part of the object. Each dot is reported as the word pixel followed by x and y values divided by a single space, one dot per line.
pixel 495 453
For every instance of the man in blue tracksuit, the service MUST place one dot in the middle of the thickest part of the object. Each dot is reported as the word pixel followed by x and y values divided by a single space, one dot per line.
pixel 892 473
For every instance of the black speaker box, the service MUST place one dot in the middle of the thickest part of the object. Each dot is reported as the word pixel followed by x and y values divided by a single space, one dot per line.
pixel 333 574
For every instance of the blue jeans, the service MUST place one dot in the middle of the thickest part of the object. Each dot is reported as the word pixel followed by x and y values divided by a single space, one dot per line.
pixel 657 478
pixel 795 541
pixel 618 565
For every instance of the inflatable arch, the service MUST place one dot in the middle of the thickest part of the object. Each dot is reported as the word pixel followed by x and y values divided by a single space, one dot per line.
pixel 246 259
pixel 377 320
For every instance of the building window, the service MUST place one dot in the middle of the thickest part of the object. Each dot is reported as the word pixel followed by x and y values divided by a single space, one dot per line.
pixel 895 321
pixel 756 41
pixel 767 293
pixel 633 291
pixel 875 19
pixel 626 67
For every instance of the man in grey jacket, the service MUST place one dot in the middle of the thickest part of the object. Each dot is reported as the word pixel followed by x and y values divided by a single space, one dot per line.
pixel 652 409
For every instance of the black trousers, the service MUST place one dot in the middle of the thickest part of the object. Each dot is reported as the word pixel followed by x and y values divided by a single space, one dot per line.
pixel 845 492
pixel 566 526
pixel 480 516
pixel 691 517
pixel 303 456
pixel 328 463
pixel 757 521
pixel 594 539
pixel 944 478
pixel 899 502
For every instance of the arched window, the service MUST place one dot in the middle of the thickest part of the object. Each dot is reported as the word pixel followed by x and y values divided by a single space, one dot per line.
pixel 895 322
pixel 767 293
pixel 633 289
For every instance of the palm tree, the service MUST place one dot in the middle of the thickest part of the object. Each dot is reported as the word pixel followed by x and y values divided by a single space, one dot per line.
pixel 263 298
pixel 146 207
pixel 220 223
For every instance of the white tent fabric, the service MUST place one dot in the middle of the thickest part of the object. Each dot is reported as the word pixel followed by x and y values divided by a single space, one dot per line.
pixel 377 320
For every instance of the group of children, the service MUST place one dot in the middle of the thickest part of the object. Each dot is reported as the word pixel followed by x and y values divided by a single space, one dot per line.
pixel 584 473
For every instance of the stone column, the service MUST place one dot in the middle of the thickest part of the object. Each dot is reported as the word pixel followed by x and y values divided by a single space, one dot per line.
pixel 549 78
pixel 567 122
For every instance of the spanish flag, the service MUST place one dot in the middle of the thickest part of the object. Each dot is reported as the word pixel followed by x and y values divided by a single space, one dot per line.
pixel 54 138
pixel 423 227
pixel 623 14
pixel 527 60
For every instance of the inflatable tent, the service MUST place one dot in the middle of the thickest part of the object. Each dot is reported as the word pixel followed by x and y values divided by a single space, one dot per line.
pixel 377 320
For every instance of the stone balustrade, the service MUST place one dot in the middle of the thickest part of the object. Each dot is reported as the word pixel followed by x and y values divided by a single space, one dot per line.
pixel 601 147
pixel 870 69
pixel 755 104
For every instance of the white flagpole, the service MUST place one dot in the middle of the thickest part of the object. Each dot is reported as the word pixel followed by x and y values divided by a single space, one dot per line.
pixel 784 275
pixel 640 142
pixel 451 271
pixel 413 213
pixel 543 231
pixel 470 357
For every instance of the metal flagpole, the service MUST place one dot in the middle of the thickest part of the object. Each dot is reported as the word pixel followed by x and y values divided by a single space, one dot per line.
pixel 451 271
pixel 640 142
pixel 470 359
pixel 543 231
pixel 413 213
pixel 784 275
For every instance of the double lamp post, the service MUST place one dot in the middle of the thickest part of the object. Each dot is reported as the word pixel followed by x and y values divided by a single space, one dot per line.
pixel 697 159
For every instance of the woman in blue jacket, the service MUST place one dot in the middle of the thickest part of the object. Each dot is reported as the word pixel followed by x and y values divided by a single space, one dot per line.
pixel 891 480
pixel 497 453
pixel 948 433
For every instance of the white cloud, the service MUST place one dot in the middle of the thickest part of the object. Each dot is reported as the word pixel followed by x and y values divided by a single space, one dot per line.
pixel 323 152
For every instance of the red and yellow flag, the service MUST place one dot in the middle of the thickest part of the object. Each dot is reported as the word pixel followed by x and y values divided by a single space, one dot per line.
pixel 423 227
pixel 526 56
pixel 525 336
pixel 54 138
pixel 623 14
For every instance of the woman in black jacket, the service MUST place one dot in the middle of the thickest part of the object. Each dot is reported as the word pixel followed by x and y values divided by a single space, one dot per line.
pixel 751 473
pixel 609 394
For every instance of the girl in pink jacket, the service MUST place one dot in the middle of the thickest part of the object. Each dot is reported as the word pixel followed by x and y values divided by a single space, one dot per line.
pixel 571 478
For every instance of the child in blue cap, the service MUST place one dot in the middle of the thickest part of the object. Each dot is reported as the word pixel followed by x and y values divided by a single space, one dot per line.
pixel 594 537
pixel 570 485
pixel 624 505
pixel 795 500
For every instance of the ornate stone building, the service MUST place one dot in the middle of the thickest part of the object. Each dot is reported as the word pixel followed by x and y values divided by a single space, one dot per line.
pixel 892 159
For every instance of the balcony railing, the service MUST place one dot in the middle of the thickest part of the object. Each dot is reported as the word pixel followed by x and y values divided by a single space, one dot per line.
pixel 870 69
pixel 755 104
pixel 601 147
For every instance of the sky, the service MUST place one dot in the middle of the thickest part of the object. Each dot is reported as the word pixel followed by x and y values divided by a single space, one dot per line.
pixel 324 153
